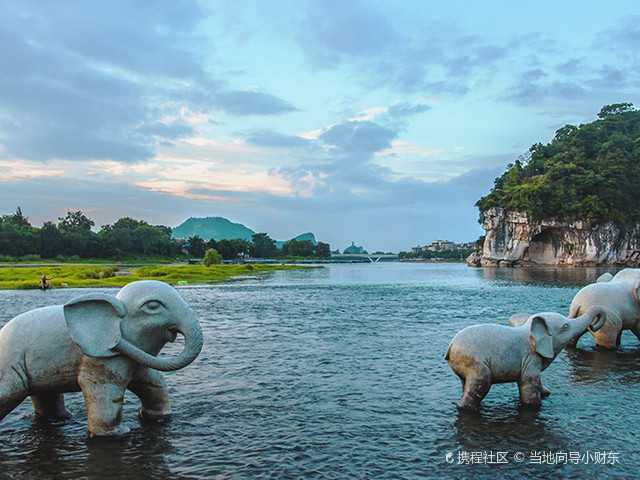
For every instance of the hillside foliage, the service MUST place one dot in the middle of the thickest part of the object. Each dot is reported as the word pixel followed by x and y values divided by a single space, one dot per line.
pixel 589 172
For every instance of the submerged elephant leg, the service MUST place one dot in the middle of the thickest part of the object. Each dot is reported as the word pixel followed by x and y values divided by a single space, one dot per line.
pixel 476 386
pixel 149 386
pixel 104 408
pixel 608 337
pixel 49 405
pixel 13 391
pixel 103 384
pixel 545 392
pixel 531 391
pixel 9 401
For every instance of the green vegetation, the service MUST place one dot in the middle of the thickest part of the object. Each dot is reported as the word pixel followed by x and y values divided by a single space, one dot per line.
pixel 458 254
pixel 108 276
pixel 590 172
pixel 211 257
pixel 73 239
pixel 73 236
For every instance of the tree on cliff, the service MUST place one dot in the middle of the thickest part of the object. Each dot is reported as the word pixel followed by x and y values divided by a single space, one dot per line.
pixel 589 172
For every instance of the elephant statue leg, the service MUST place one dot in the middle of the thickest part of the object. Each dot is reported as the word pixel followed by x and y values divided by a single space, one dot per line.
pixel 609 335
pixel 636 332
pixel 103 385
pixel 13 390
pixel 50 405
pixel 531 390
pixel 544 391
pixel 149 386
pixel 476 386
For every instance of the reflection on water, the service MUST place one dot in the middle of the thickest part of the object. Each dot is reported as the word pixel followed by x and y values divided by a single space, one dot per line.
pixel 599 365
pixel 511 428
pixel 547 275
pixel 339 373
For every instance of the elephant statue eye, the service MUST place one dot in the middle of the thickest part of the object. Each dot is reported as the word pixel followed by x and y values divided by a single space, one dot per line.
pixel 152 306
pixel 565 326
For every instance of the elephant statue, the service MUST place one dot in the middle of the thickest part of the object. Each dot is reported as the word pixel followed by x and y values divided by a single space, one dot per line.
pixel 618 295
pixel 101 345
pixel 481 355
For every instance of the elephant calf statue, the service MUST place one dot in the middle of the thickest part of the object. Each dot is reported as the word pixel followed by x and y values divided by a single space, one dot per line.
pixel 101 345
pixel 482 355
pixel 618 295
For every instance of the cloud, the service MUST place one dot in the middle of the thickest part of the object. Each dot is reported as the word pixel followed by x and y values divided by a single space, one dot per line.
pixel 580 84
pixel 100 90
pixel 436 57
pixel 240 102
pixel 269 138
pixel 405 109
pixel 622 39
pixel 333 31
pixel 167 130
pixel 531 92
pixel 571 67
pixel 358 138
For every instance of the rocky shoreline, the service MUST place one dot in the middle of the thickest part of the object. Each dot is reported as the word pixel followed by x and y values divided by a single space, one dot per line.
pixel 513 239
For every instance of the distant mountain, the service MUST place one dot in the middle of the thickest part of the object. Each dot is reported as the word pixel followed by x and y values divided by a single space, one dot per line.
pixel 308 236
pixel 217 228
pixel 220 228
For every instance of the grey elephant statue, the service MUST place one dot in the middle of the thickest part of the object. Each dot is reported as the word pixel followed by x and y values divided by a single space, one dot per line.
pixel 481 355
pixel 618 295
pixel 101 345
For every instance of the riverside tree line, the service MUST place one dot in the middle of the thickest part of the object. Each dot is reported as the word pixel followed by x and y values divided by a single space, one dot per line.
pixel 74 236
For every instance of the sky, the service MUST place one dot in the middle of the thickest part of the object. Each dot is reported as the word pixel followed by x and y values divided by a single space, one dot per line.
pixel 378 122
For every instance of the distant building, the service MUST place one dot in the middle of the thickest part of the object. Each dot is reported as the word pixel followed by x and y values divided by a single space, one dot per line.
pixel 353 249
pixel 441 246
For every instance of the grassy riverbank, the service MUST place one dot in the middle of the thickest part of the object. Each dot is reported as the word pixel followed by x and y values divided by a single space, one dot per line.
pixel 68 276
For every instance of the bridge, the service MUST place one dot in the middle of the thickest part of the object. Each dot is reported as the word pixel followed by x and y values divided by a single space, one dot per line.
pixel 363 257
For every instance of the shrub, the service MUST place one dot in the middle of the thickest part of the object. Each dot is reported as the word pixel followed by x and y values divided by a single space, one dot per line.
pixel 212 257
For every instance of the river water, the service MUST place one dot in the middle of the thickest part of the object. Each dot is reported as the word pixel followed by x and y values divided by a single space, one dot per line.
pixel 338 372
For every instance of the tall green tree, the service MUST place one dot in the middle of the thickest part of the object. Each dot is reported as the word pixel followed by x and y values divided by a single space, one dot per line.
pixel 75 222
pixel 196 246
pixel 51 241
pixel 323 250
pixel 232 249
pixel 263 246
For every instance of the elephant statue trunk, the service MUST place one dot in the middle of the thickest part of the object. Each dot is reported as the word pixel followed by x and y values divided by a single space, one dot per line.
pixel 192 346
pixel 593 320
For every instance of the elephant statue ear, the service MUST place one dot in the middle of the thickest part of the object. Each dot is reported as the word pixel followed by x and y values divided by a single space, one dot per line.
pixel 540 339
pixel 94 323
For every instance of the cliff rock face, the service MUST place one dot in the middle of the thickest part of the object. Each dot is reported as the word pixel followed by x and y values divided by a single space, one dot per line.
pixel 513 239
